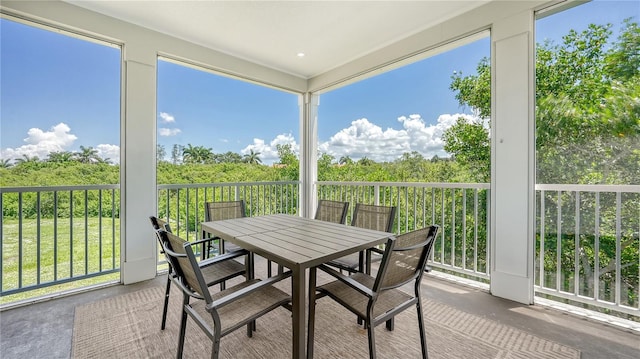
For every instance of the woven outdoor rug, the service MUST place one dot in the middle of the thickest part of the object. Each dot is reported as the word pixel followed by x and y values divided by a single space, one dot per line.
pixel 128 326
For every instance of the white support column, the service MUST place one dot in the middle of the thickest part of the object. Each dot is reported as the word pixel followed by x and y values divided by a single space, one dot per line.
pixel 138 164
pixel 513 158
pixel 308 153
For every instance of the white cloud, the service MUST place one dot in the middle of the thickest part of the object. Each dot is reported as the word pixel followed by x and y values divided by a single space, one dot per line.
pixel 269 152
pixel 167 118
pixel 365 139
pixel 112 152
pixel 167 132
pixel 40 143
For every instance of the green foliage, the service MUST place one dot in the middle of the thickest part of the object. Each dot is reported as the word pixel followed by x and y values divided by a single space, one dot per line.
pixel 587 110
pixel 470 143
pixel 474 90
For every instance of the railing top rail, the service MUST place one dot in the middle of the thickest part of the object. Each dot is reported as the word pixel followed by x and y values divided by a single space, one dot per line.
pixel 409 184
pixel 59 188
pixel 223 184
pixel 588 188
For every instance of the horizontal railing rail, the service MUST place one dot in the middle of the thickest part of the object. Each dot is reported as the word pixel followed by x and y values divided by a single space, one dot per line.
pixel 588 245
pixel 460 209
pixel 182 205
pixel 56 235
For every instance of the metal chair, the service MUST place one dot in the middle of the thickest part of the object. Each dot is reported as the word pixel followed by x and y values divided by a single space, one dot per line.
pixel 214 271
pixel 219 314
pixel 332 211
pixel 378 299
pixel 379 218
pixel 217 211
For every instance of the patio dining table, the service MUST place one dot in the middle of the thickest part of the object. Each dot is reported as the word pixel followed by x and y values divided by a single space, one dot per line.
pixel 296 243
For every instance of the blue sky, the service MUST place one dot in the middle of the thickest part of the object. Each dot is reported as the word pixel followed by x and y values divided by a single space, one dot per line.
pixel 59 93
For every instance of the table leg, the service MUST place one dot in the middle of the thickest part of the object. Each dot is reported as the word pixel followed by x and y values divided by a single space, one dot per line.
pixel 298 299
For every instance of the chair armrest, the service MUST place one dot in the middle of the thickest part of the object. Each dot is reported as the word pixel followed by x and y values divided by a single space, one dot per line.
pixel 204 240
pixel 222 258
pixel 187 289
pixel 377 250
pixel 248 290
pixel 347 280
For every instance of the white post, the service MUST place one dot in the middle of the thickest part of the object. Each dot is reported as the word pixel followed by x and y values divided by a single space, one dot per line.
pixel 513 158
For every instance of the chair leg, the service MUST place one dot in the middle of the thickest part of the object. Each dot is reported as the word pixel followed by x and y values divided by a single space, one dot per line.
pixel 268 268
pixel 183 327
pixel 312 311
pixel 372 340
pixel 166 300
pixel 390 324
pixel 215 347
pixel 423 339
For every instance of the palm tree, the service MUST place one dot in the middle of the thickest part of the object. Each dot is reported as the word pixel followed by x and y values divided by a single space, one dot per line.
pixel 5 163
pixel 27 159
pixel 60 157
pixel 196 154
pixel 87 155
pixel 252 158
pixel 364 161
pixel 345 160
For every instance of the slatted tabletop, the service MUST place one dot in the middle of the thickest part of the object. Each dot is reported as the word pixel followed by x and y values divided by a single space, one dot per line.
pixel 298 244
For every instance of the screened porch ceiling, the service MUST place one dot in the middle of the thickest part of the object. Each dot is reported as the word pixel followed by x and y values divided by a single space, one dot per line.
pixel 273 33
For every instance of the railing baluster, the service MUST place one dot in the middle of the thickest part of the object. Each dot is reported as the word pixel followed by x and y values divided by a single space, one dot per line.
pixel 559 243
pixel 55 236
pixel 38 238
pixel 70 234
pixel 20 240
pixel 543 236
pixel 618 247
pixel 100 214
pixel 576 249
pixel 596 264
pixel 86 232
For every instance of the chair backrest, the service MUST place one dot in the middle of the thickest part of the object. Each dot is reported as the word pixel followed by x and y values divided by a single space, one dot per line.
pixel 157 223
pixel 184 263
pixel 405 258
pixel 332 211
pixel 217 211
pixel 369 216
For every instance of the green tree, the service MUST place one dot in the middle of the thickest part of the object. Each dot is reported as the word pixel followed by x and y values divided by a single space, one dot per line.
pixel 160 153
pixel 252 157
pixel 587 113
pixel 197 154
pixel 87 155
pixel 469 142
pixel 176 154
pixel 228 157
pixel 60 157
pixel 345 160
pixel 365 161
pixel 26 159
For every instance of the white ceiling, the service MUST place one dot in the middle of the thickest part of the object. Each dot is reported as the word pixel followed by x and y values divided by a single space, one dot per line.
pixel 272 33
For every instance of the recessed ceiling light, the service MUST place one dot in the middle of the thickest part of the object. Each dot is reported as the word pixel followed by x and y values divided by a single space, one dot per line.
pixel 300 54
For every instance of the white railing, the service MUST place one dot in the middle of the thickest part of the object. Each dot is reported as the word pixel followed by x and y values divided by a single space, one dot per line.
pixel 460 209
pixel 591 245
